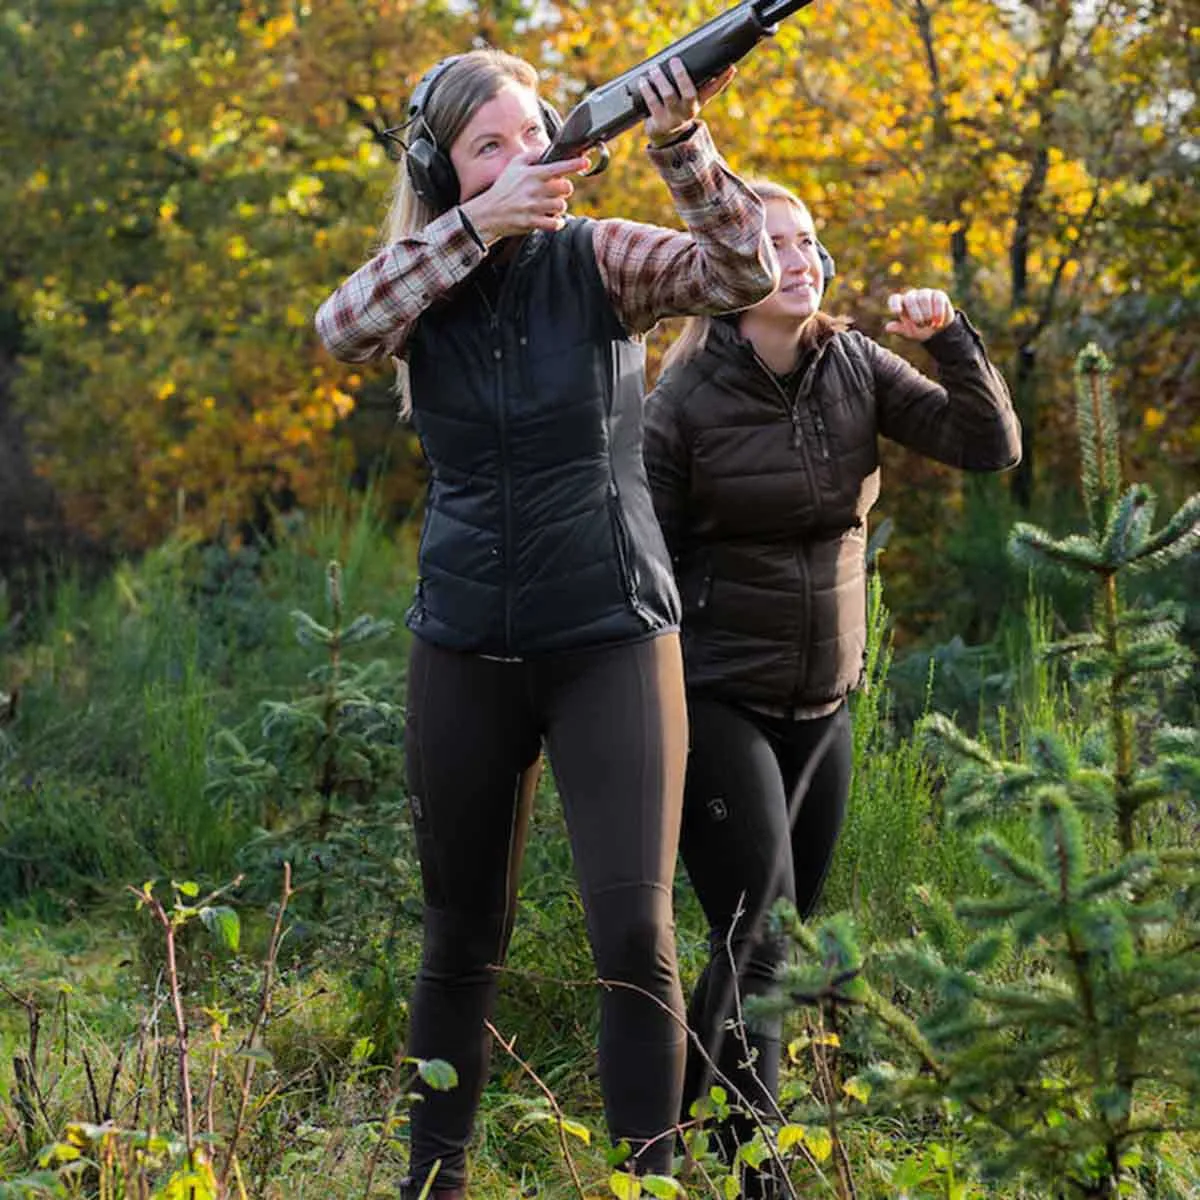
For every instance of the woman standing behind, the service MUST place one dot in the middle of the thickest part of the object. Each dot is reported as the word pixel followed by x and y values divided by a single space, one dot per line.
pixel 761 448
pixel 545 609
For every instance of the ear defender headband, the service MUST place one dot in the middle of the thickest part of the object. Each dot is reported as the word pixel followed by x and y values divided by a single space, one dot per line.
pixel 430 170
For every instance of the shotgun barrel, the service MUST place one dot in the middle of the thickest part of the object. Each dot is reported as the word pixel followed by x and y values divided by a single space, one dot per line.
pixel 616 106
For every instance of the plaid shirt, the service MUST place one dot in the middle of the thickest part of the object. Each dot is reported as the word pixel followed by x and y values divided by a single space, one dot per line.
pixel 724 261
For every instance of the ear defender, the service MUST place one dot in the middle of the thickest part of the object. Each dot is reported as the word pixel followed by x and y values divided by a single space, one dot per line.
pixel 430 170
pixel 828 268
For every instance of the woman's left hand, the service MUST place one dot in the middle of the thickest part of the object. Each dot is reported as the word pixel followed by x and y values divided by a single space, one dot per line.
pixel 672 99
pixel 919 313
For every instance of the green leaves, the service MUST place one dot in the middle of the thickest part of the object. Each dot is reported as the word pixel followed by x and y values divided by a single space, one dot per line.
pixel 224 925
pixel 437 1074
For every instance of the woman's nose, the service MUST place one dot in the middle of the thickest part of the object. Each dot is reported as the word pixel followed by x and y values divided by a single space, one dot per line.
pixel 797 261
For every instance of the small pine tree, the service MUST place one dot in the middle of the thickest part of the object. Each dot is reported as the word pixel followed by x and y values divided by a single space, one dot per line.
pixel 1064 1025
pixel 324 780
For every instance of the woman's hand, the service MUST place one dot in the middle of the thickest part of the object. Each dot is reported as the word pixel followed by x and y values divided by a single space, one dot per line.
pixel 919 312
pixel 526 195
pixel 673 101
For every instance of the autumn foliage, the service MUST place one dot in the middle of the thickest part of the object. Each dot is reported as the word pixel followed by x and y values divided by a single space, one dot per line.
pixel 183 182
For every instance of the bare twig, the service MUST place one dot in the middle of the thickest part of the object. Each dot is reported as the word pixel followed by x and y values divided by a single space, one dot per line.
pixel 169 923
pixel 260 1020
pixel 91 1083
pixel 724 1079
pixel 29 1099
pixel 717 1074
pixel 181 1027
pixel 377 1149
pixel 553 1102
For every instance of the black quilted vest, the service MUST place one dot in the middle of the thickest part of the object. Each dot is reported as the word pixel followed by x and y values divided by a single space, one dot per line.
pixel 539 532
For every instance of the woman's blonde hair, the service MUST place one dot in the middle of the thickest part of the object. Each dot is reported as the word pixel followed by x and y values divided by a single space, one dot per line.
pixel 694 335
pixel 469 82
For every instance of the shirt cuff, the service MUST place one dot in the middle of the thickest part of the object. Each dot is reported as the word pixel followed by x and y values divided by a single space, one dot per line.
pixel 682 160
pixel 958 340
pixel 458 247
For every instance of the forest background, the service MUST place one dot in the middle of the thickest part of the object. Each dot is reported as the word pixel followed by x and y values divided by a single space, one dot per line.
pixel 182 183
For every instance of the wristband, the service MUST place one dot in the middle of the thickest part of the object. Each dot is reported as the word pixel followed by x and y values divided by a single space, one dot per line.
pixel 682 136
pixel 471 230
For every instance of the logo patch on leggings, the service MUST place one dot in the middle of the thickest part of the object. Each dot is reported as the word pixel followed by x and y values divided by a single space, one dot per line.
pixel 417 808
pixel 717 809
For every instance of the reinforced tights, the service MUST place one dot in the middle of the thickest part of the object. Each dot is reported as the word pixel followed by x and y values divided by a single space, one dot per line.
pixel 763 806
pixel 614 724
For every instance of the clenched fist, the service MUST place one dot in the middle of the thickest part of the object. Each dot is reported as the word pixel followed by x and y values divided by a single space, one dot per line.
pixel 919 313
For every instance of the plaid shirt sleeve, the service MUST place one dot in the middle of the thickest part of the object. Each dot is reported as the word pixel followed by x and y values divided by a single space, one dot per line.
pixel 373 312
pixel 725 261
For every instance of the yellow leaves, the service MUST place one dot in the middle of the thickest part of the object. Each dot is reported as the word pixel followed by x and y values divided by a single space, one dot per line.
pixel 236 247
pixel 343 402
pixel 302 195
pixel 817 1142
pixel 1152 419
pixel 797 1046
pixel 167 212
pixel 276 29
pixel 165 390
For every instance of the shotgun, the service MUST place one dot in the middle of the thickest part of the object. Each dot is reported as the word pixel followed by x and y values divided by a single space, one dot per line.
pixel 617 105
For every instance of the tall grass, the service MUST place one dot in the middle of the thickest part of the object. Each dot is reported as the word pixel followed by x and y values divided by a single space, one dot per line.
pixel 893 836
pixel 122 686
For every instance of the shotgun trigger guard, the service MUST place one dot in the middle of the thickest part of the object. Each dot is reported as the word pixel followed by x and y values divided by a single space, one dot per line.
pixel 601 163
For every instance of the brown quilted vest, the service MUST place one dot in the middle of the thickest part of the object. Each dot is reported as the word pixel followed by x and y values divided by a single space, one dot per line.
pixel 763 489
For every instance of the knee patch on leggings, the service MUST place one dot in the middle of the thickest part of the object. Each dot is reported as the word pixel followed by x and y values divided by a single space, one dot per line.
pixel 758 956
pixel 462 946
pixel 633 936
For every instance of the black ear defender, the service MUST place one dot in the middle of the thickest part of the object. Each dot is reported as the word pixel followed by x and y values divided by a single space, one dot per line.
pixel 430 170
pixel 828 269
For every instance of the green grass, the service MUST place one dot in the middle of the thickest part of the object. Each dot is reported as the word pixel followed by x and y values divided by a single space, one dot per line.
pixel 108 782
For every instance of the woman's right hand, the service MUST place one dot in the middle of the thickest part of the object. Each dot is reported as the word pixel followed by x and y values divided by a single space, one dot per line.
pixel 526 195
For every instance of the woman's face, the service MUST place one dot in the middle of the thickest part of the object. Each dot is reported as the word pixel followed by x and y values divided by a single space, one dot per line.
pixel 801 282
pixel 508 124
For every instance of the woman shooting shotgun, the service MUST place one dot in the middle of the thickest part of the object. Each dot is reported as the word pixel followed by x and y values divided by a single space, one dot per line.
pixel 545 612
